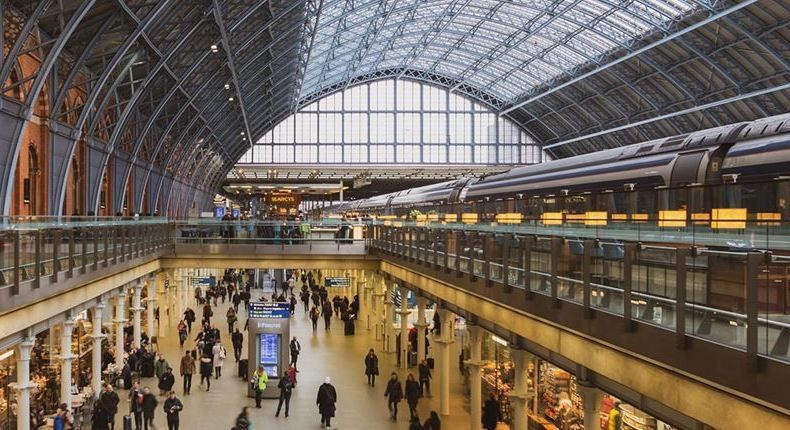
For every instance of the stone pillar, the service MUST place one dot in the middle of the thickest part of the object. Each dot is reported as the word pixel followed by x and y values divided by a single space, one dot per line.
pixel 591 397
pixel 369 304
pixel 119 322
pixel 421 325
pixel 377 319
pixel 137 309
pixel 475 363
pixel 521 393
pixel 443 352
pixel 66 357
pixel 404 328
pixel 175 285
pixel 23 385
pixel 164 306
pixel 98 336
pixel 150 306
pixel 389 311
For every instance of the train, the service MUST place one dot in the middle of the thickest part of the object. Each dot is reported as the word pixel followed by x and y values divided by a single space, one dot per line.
pixel 744 165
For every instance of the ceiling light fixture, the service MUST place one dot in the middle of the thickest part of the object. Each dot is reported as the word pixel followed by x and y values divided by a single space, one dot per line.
pixel 227 86
pixel 214 48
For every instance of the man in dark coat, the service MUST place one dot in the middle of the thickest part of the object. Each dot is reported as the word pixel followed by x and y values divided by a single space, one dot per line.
pixel 149 407
pixel 326 399
pixel 109 402
pixel 425 378
pixel 238 340
pixel 172 407
pixel 285 387
pixel 412 393
pixel 371 367
pixel 394 394
pixel 492 413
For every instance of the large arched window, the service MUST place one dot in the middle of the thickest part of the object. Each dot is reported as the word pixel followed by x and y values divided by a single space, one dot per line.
pixel 394 122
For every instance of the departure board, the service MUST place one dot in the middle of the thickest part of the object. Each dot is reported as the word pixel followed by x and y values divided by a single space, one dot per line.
pixel 337 282
pixel 269 310
pixel 270 353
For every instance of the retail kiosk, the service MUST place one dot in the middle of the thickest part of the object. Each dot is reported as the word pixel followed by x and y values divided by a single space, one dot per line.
pixel 268 336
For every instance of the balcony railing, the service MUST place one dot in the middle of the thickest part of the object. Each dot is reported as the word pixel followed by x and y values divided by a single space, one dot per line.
pixel 732 298
pixel 35 248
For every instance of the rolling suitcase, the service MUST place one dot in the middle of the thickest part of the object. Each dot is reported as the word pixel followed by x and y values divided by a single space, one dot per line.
pixel 127 422
pixel 430 363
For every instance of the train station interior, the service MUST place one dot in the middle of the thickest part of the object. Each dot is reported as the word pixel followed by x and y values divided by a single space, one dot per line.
pixel 395 214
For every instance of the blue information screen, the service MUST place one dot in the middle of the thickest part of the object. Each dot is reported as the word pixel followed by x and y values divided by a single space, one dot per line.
pixel 270 353
pixel 269 310
pixel 219 211
pixel 337 282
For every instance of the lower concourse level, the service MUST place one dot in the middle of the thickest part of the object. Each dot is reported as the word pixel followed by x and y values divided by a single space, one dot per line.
pixel 488 365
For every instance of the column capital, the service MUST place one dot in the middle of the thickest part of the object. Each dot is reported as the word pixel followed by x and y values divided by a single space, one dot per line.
pixel 475 363
pixel 122 292
pixel 120 321
pixel 421 325
pixel 98 336
pixel 100 306
pixel 444 342
pixel 23 386
pixel 136 309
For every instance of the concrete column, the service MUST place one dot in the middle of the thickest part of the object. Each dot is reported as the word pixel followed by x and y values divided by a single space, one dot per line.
pixel 137 309
pixel 404 328
pixel 389 311
pixel 377 318
pixel 592 404
pixel 175 285
pixel 119 322
pixel 444 344
pixel 368 304
pixel 521 392
pixel 150 306
pixel 23 385
pixel 421 325
pixel 66 357
pixel 163 300
pixel 98 336
pixel 475 363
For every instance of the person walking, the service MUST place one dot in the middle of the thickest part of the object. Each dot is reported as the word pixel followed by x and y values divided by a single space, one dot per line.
pixel 259 381
pixel 412 392
pixel 371 367
pixel 243 420
pixel 172 407
pixel 109 402
pixel 182 333
pixel 305 296
pixel 161 366
pixel 394 394
pixel 237 339
pixel 433 422
pixel 285 386
pixel 492 413
pixel 296 348
pixel 136 405
pixel 205 371
pixel 149 408
pixel 292 306
pixel 231 317
pixel 189 318
pixel 326 400
pixel 425 378
pixel 327 312
pixel 166 382
pixel 219 353
pixel 314 313
pixel 186 370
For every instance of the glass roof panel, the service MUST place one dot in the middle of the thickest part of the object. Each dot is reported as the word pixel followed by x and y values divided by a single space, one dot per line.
pixel 524 43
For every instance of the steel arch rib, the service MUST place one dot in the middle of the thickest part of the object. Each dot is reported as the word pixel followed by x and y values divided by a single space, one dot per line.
pixel 38 84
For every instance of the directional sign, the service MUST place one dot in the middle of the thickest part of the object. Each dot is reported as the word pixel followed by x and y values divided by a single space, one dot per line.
pixel 269 310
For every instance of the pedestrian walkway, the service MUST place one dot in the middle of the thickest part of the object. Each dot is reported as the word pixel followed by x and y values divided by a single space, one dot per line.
pixel 324 353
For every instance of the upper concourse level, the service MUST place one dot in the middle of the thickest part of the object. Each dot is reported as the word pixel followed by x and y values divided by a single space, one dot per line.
pixel 608 294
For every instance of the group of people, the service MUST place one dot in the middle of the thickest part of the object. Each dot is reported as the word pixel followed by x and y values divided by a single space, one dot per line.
pixel 412 391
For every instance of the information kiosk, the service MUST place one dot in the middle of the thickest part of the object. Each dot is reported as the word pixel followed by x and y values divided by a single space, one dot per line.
pixel 268 336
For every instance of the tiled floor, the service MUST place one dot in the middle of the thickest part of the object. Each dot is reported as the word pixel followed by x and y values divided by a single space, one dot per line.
pixel 324 353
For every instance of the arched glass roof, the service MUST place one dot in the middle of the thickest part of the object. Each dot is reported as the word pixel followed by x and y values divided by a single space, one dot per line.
pixel 506 47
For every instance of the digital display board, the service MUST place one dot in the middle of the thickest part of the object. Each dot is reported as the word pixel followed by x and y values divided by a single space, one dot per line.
pixel 270 353
pixel 219 211
pixel 337 282
pixel 269 310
